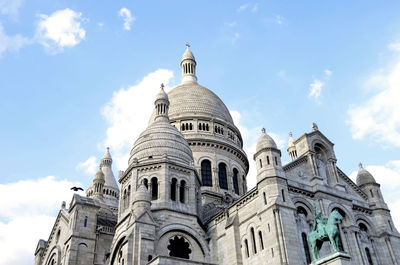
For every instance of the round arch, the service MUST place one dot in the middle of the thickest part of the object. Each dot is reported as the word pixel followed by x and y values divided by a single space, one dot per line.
pixel 349 215
pixel 186 230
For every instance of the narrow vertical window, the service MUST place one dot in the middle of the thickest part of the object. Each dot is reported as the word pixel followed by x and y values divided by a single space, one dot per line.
pixel 260 163
pixel 372 194
pixel 146 183
pixel 154 188
pixel 269 228
pixel 268 160
pixel 235 181
pixel 265 198
pixel 247 247
pixel 390 225
pixel 173 189
pixel 253 239
pixel 283 195
pixel 85 221
pixel 370 262
pixel 272 252
pixel 182 192
pixel 276 160
pixel 206 177
pixel 261 240
pixel 306 248
pixel 223 181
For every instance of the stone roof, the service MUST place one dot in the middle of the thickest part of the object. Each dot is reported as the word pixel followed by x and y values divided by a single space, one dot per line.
pixel 364 177
pixel 265 141
pixel 192 99
pixel 188 55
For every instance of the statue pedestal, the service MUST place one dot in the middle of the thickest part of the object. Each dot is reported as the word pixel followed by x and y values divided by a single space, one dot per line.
pixel 338 258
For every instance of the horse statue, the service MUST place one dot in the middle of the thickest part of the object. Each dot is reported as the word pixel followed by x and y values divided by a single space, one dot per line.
pixel 324 230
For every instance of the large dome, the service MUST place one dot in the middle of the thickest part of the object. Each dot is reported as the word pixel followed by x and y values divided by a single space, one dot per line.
pixel 161 139
pixel 192 99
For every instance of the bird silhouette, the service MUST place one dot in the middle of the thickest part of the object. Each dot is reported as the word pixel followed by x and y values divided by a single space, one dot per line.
pixel 76 188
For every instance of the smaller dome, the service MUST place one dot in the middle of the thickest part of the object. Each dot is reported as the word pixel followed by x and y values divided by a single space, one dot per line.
pixel 99 177
pixel 141 194
pixel 265 141
pixel 188 55
pixel 364 177
pixel 107 154
pixel 162 95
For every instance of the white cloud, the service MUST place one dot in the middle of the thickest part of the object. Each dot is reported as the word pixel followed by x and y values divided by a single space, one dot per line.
pixel 255 8
pixel 328 73
pixel 61 29
pixel 316 89
pixel 279 19
pixel 243 7
pixel 378 117
pixel 388 176
pixel 89 166
pixel 10 7
pixel 394 46
pixel 126 15
pixel 27 210
pixel 11 43
pixel 232 24
pixel 250 137
pixel 100 24
pixel 236 36
pixel 128 113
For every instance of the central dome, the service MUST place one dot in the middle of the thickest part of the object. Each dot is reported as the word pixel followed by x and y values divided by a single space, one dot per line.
pixel 192 99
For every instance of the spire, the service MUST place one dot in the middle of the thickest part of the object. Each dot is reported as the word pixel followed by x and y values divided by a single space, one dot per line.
pixel 360 165
pixel 106 160
pixel 188 65
pixel 161 105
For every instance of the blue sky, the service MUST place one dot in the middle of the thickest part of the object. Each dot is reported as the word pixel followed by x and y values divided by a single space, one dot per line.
pixel 76 76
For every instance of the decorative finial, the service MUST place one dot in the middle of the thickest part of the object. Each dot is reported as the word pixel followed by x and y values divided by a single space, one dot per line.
pixel 187 44
pixel 263 130
pixel 108 149
pixel 314 127
pixel 162 86
pixel 360 165
pixel 290 134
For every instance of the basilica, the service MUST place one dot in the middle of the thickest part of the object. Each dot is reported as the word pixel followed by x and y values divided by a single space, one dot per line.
pixel 183 198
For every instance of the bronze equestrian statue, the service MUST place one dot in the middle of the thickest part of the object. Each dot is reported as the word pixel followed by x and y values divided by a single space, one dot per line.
pixel 324 230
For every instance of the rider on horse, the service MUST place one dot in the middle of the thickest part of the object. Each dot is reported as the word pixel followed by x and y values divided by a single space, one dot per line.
pixel 319 222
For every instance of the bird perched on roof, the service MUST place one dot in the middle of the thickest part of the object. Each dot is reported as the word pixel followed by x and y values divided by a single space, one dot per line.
pixel 76 188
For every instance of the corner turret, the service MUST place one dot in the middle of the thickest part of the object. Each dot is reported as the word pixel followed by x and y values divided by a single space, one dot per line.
pixel 188 65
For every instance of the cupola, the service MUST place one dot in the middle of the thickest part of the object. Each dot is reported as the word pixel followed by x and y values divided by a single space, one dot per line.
pixel 364 177
pixel 188 65
pixel 292 148
pixel 267 157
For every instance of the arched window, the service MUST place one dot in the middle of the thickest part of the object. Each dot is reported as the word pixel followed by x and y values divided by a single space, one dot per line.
pixel 253 240
pixel 370 262
pixel 146 183
pixel 206 177
pixel 154 188
pixel 85 221
pixel 190 126
pixel 222 178
pixel 247 247
pixel 301 210
pixel 342 213
pixel 261 240
pixel 235 181
pixel 173 189
pixel 182 191
pixel 207 128
pixel 129 193
pixel 306 248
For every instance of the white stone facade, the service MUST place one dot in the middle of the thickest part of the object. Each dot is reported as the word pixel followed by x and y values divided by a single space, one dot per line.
pixel 183 198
